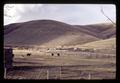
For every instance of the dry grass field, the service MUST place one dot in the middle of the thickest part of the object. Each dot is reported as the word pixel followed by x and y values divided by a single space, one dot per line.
pixel 68 65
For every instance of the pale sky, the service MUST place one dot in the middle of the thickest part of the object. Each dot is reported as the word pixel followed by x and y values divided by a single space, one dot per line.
pixel 75 14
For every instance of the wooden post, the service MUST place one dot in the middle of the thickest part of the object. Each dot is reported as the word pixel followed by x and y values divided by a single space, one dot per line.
pixel 5 70
pixel 47 74
pixel 60 71
pixel 89 76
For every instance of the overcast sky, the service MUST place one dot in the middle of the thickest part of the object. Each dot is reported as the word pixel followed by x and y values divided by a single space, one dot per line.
pixel 75 14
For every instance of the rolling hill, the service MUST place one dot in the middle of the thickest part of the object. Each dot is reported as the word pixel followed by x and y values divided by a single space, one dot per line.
pixel 101 44
pixel 102 30
pixel 52 33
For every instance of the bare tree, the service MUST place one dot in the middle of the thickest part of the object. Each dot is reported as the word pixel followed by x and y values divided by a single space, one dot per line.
pixel 7 8
pixel 107 16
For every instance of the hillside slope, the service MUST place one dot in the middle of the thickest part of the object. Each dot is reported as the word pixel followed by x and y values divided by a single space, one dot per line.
pixel 101 44
pixel 102 30
pixel 45 33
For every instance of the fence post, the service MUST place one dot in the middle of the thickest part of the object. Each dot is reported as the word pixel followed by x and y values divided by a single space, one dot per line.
pixel 60 71
pixel 89 76
pixel 47 74
pixel 5 70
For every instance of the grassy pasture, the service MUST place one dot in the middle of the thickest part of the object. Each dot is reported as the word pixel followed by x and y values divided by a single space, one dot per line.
pixel 69 65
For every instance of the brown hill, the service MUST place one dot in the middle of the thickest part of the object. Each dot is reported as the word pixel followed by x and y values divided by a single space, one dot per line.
pixel 101 44
pixel 45 33
pixel 102 31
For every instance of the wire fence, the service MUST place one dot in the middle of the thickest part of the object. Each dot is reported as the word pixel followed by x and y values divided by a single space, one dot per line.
pixel 59 72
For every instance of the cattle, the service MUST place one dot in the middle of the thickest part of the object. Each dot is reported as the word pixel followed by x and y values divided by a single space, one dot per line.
pixel 52 54
pixel 58 54
pixel 28 54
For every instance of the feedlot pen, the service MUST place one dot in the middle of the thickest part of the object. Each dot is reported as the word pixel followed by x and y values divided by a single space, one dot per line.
pixel 69 65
